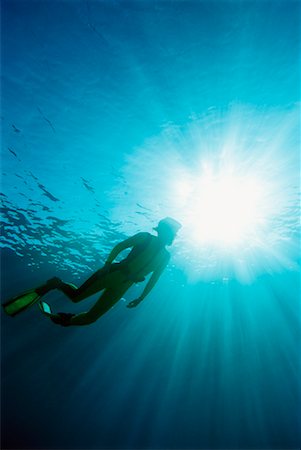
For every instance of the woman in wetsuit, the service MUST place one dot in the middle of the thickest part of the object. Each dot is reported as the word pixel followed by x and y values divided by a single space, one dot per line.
pixel 148 255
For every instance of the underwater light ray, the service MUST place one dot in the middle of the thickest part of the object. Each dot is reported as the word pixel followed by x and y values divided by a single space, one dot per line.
pixel 237 198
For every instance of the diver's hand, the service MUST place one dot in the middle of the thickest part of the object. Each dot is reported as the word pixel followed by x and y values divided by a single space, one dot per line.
pixel 134 303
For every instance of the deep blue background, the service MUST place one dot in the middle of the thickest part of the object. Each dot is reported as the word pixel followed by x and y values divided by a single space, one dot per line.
pixel 197 365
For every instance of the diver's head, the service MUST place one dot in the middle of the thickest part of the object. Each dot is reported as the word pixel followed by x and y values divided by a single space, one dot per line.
pixel 167 230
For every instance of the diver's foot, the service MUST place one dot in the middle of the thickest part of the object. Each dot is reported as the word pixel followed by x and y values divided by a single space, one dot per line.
pixel 53 283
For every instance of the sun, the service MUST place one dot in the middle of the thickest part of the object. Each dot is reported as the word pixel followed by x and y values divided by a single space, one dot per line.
pixel 227 208
pixel 222 207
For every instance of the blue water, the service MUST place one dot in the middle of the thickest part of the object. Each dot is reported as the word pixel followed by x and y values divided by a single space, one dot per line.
pixel 107 108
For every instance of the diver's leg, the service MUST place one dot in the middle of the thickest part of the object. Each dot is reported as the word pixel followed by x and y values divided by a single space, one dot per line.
pixel 104 303
pixel 53 283
pixel 89 287
pixel 69 289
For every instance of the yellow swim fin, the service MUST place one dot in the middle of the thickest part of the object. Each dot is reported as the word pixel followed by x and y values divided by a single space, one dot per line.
pixel 21 302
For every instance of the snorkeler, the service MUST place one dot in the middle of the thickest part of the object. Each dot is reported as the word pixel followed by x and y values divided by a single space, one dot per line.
pixel 148 255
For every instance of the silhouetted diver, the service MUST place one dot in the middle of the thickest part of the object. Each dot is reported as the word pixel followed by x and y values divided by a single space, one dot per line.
pixel 148 255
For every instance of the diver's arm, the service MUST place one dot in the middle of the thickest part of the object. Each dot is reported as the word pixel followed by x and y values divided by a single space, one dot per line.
pixel 127 243
pixel 151 283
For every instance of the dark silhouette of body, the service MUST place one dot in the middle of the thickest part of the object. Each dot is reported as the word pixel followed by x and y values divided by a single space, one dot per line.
pixel 148 256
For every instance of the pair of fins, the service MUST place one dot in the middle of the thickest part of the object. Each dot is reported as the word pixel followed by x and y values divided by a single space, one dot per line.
pixel 24 301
